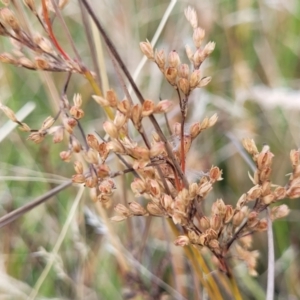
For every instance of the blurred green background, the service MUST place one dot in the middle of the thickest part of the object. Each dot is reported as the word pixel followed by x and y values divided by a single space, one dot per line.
pixel 254 90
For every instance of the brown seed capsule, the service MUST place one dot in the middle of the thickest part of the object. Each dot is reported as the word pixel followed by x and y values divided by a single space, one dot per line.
pixel 160 59
pixel 154 209
pixel 189 53
pixel 204 82
pixel 147 49
pixel 9 19
pixel 204 223
pixel 124 107
pixel 100 100
pixel 136 115
pixel 198 36
pixel 92 141
pixel 195 79
pixel 171 75
pixel 65 155
pixel 30 4
pixel 58 135
pixel 103 171
pixel 78 178
pixel 137 209
pixel 37 137
pixel 191 16
pixel 111 129
pixel 182 241
pixel 183 71
pixel 173 59
pixel 294 156
pixel 122 210
pixel 280 211
pixel 163 106
pixel 9 113
pixel 78 167
pixel 215 174
pixel 26 63
pixel 76 146
pixel 238 218
pixel 184 86
pixel 228 214
pixel 147 108
pixel 112 98
pixel 7 58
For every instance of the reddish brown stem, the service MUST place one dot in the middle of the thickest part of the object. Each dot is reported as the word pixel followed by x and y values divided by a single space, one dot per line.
pixel 50 31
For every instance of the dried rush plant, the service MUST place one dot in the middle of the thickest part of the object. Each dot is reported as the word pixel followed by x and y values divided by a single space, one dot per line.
pixel 158 166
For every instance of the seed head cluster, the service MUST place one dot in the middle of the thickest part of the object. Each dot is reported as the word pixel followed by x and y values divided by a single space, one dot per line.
pixel 158 165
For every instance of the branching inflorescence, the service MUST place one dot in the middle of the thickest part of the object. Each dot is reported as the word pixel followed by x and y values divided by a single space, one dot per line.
pixel 158 166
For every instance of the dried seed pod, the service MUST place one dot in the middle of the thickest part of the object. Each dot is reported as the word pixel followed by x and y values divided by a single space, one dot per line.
pixel 78 167
pixel 157 149
pixel 184 86
pixel 183 71
pixel 250 146
pixel 100 100
pixel 103 151
pixel 112 98
pixel 147 49
pixel 191 16
pixel 280 211
pixel 136 115
pixel 204 223
pixel 294 157
pixel 238 218
pixel 147 108
pixel 137 209
pixel 163 106
pixel 120 119
pixel 76 145
pixel 122 210
pixel 195 79
pixel 228 214
pixel 42 64
pixel 103 171
pixel 160 59
pixel 216 222
pixel 198 36
pixel 138 186
pixel 189 53
pixel 9 113
pixel 30 4
pixel 92 142
pixel 182 241
pixel 111 129
pixel 37 137
pixel 91 156
pixel 154 209
pixel 173 59
pixel 78 178
pixel 7 58
pixel 58 135
pixel 91 181
pixel 9 19
pixel 215 174
pixel 125 107
pixel 65 155
pixel 171 75
pixel 49 121
pixel 204 82
pixel 26 63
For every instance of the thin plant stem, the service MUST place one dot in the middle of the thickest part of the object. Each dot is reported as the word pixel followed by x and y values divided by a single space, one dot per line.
pixel 8 218
pixel 57 245
pixel 271 259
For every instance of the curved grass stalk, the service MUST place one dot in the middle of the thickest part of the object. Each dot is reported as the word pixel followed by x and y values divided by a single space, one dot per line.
pixel 57 246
